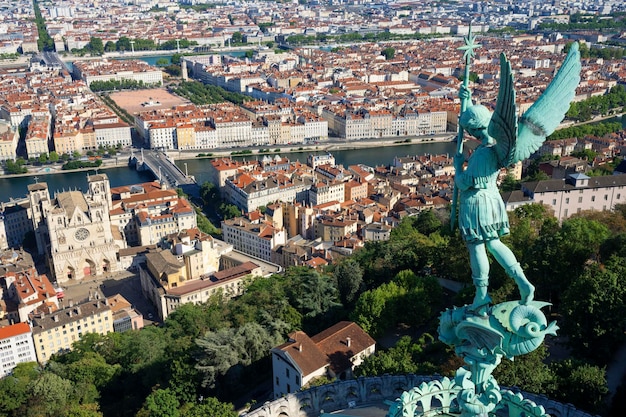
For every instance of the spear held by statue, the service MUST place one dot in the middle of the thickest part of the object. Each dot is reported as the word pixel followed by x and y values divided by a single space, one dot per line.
pixel 468 54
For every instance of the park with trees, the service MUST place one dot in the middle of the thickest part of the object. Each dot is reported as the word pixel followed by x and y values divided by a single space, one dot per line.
pixel 204 357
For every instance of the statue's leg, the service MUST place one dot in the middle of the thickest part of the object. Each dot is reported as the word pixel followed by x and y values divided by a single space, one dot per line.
pixel 506 258
pixel 480 276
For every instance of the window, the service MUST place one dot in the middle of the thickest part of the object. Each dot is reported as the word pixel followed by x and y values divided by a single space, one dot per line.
pixel 593 198
pixel 287 372
pixel 606 197
pixel 554 202
pixel 277 381
pixel 580 199
pixel 567 200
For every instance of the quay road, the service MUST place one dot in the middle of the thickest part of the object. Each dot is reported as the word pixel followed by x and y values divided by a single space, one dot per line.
pixel 165 170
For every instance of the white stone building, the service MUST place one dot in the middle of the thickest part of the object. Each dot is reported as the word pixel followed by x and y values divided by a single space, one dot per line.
pixel 577 193
pixel 335 352
pixel 255 239
pixel 16 346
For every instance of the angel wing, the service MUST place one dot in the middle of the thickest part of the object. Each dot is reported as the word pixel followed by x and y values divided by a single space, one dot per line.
pixel 516 141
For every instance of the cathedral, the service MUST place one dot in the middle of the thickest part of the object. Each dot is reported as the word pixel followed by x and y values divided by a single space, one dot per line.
pixel 74 229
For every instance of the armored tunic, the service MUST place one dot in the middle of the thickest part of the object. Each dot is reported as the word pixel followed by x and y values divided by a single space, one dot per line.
pixel 482 214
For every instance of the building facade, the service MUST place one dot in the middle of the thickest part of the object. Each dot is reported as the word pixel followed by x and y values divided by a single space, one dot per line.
pixel 16 346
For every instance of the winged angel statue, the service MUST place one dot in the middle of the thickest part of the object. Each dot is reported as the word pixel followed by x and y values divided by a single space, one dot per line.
pixel 505 140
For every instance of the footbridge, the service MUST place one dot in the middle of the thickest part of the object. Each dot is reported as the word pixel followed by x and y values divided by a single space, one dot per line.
pixel 164 170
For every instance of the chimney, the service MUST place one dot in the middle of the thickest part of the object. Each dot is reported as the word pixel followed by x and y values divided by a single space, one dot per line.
pixel 56 318
pixel 300 347
pixel 348 341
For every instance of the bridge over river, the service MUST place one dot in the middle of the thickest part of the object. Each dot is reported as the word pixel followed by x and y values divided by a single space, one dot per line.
pixel 165 170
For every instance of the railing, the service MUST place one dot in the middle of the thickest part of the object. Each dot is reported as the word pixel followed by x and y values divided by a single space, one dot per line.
pixel 424 395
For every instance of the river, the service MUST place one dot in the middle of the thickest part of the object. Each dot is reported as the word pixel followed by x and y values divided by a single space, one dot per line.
pixel 16 187
pixel 369 156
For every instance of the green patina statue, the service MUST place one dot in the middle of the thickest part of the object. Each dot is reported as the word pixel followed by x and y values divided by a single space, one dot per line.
pixel 482 334
pixel 504 141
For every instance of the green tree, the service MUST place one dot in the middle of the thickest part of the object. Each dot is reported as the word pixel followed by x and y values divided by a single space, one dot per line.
pixel 229 211
pixel 406 357
pixel 14 388
pixel 162 62
pixel 83 410
pixel 210 406
pixel 237 37
pixel 428 222
pixel 160 403
pixel 209 193
pixel 349 277
pixel 528 372
pixel 43 158
pixel 312 294
pixel 54 157
pixel 110 46
pixel 123 44
pixel 49 394
pixel 580 383
pixel 96 46
pixel 594 309
pixel 388 53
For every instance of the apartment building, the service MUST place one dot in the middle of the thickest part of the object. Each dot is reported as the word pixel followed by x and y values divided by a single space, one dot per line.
pixel 9 137
pixel 257 239
pixel 323 192
pixel 16 346
pixel 29 291
pixel 248 193
pixel 577 192
pixel 118 70
pixel 56 331
pixel 334 228
pixel 38 136
pixel 112 135
pixel 145 213
pixel 186 271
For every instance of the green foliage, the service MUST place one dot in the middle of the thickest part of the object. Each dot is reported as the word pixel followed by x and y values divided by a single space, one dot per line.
pixel 580 383
pixel 528 372
pixel 160 403
pixel 585 110
pixel 124 84
pixel 173 70
pixel 587 22
pixel 81 164
pixel 349 278
pixel 408 299
pixel 229 211
pixel 313 295
pixel 406 357
pixel 209 407
pixel 172 44
pixel 15 167
pixel 96 46
pixel 201 94
pixel 53 157
pixel 388 53
pixel 226 352
pixel 594 308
